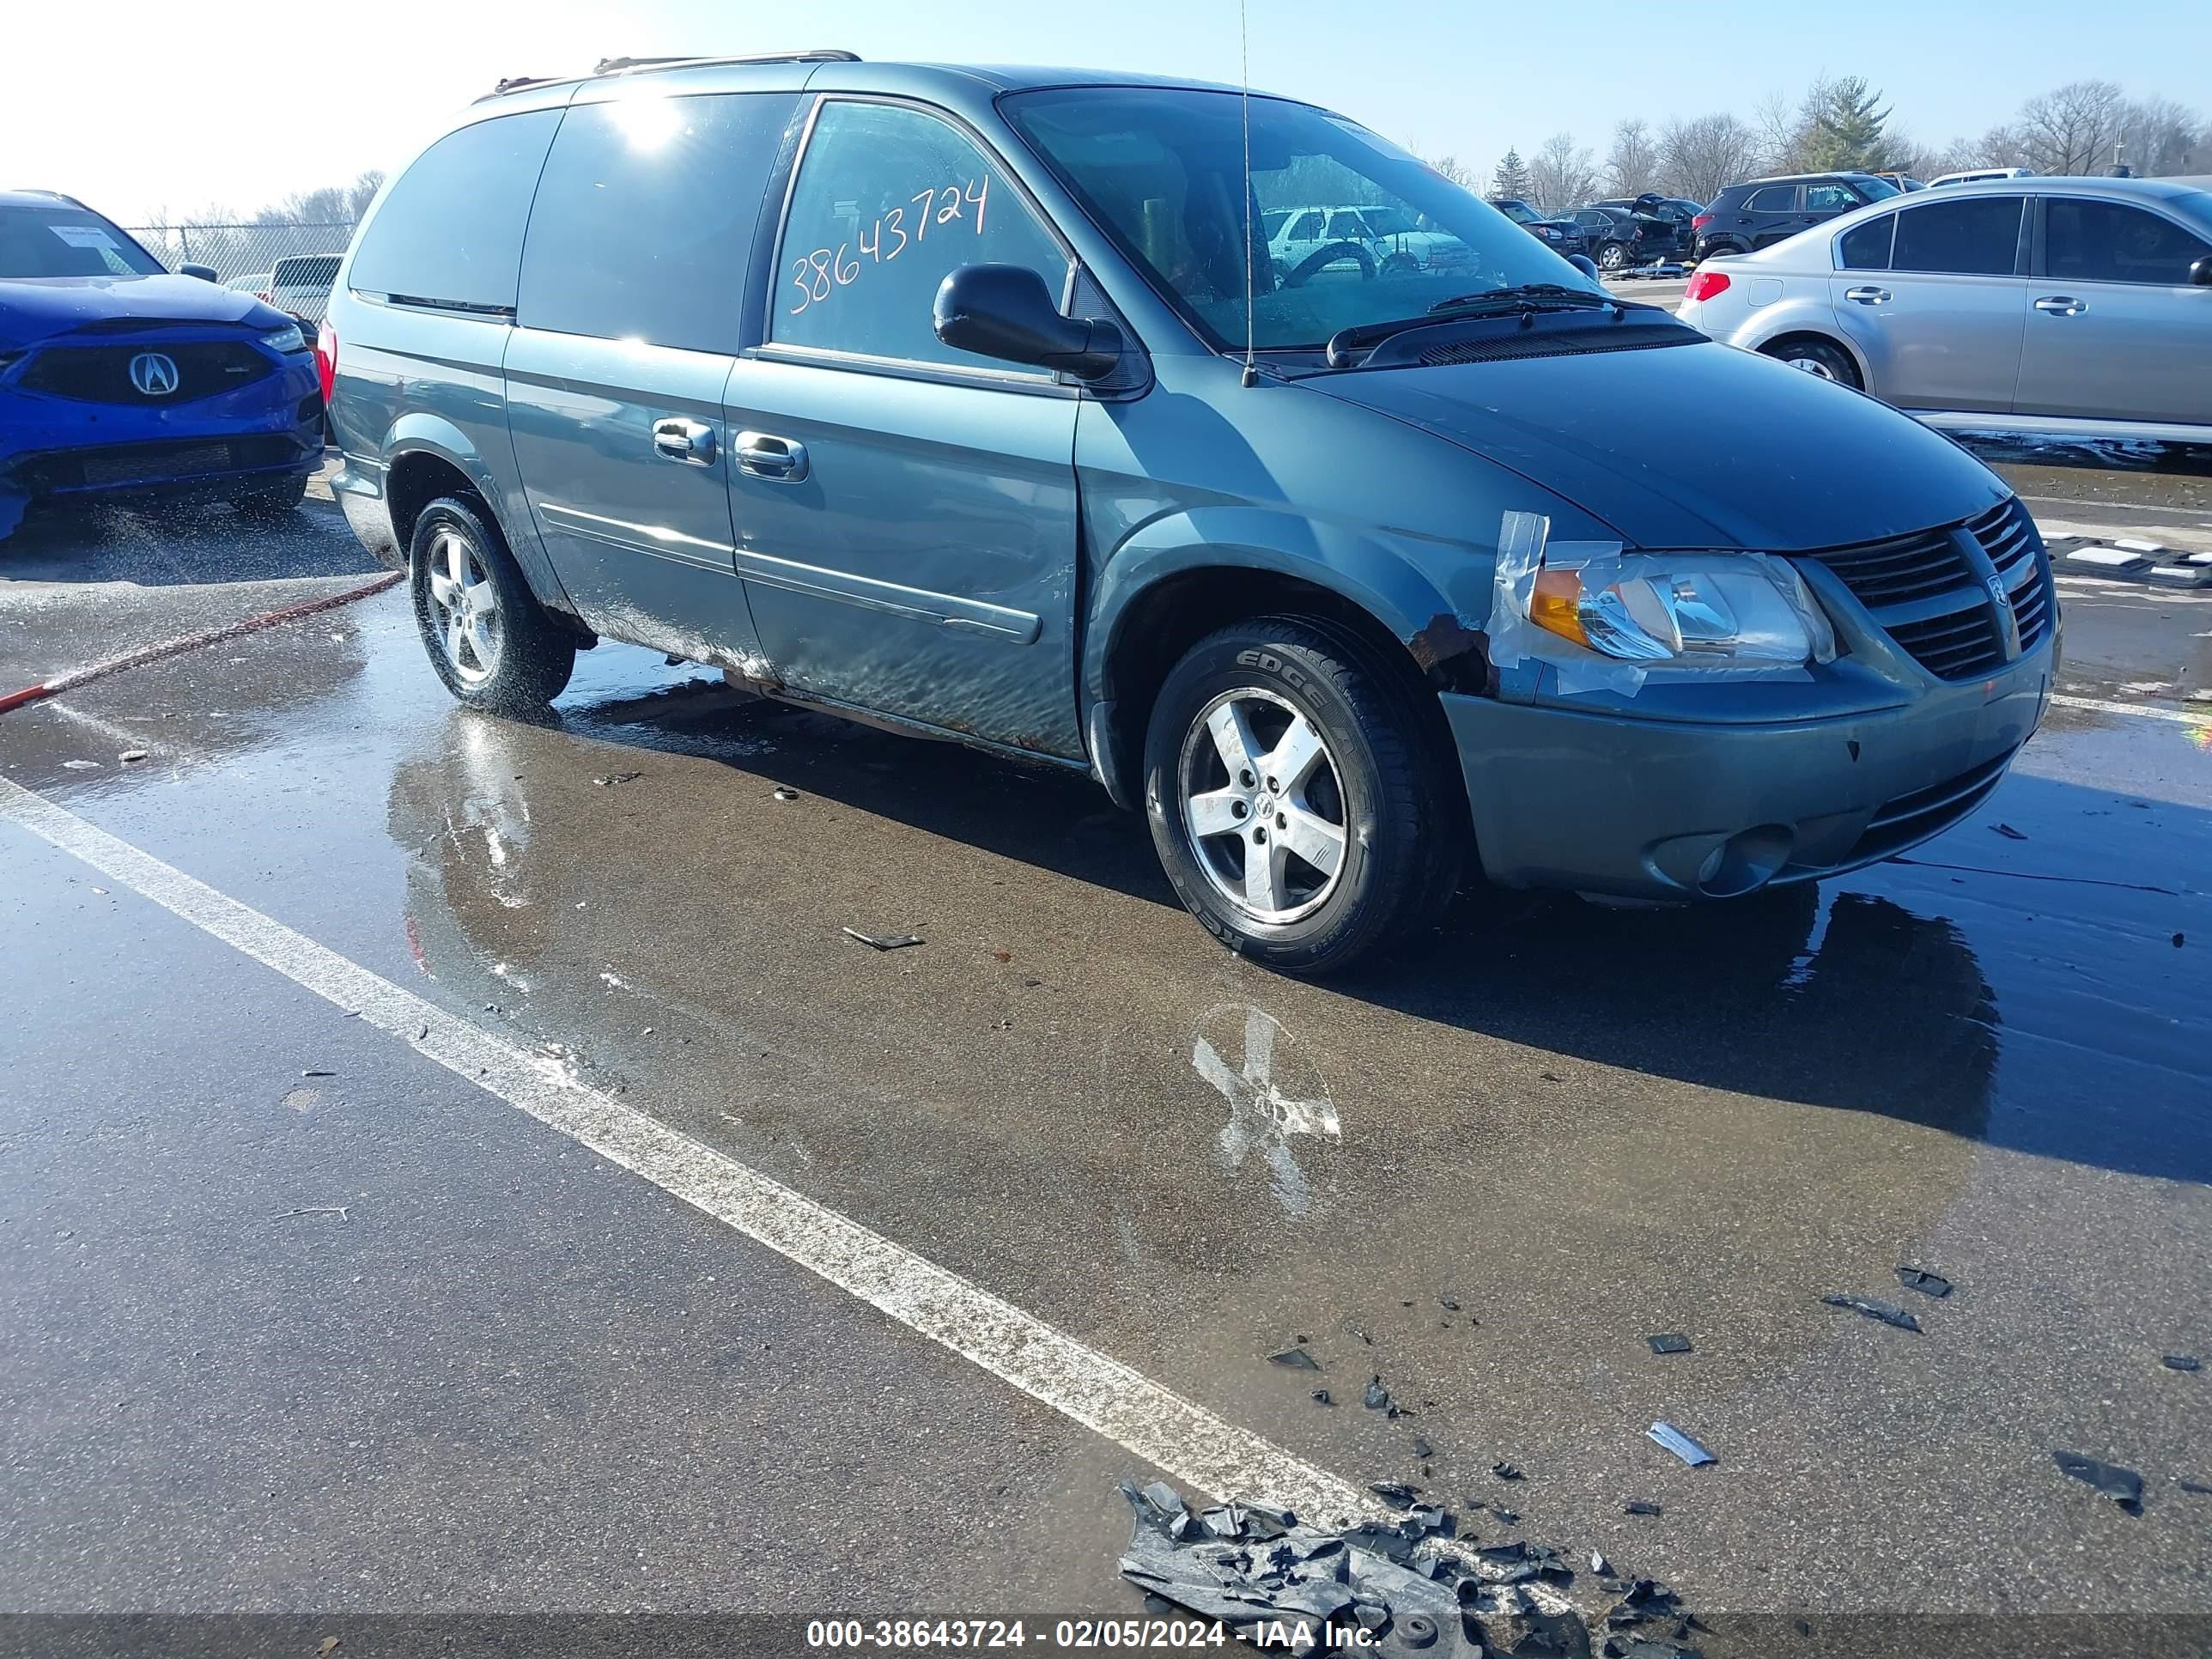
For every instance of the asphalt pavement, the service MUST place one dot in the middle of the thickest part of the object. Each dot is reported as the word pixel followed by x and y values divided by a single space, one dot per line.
pixel 304 1311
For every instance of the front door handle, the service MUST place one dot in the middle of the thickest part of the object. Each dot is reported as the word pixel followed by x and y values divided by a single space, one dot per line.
pixel 780 461
pixel 2062 305
pixel 679 440
pixel 1867 296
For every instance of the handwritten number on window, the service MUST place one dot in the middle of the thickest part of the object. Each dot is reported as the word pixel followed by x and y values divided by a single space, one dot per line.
pixel 821 273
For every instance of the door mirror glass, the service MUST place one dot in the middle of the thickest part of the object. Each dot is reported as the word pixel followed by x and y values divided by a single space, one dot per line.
pixel 2200 272
pixel 1007 313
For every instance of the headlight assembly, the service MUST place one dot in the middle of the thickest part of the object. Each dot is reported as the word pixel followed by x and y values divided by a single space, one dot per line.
pixel 287 339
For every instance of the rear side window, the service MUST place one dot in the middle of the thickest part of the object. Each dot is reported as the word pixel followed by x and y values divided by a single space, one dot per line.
pixel 317 270
pixel 1977 236
pixel 2109 242
pixel 1772 198
pixel 450 232
pixel 887 201
pixel 644 223
pixel 1866 248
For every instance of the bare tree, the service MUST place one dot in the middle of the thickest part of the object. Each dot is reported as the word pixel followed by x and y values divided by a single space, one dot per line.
pixel 2072 129
pixel 1698 156
pixel 2161 138
pixel 1454 171
pixel 1563 175
pixel 1780 125
pixel 1631 166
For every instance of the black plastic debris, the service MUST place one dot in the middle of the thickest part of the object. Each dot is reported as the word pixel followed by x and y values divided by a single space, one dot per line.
pixel 1377 1398
pixel 613 778
pixel 1423 1449
pixel 1296 1360
pixel 2196 1487
pixel 2123 1486
pixel 1505 1517
pixel 1520 1562
pixel 1449 1304
pixel 785 792
pixel 1919 1278
pixel 1681 1444
pixel 1648 1622
pixel 2008 832
pixel 1637 1506
pixel 1670 1342
pixel 1600 1565
pixel 2181 1362
pixel 1321 1396
pixel 1873 1309
pixel 1397 1493
pixel 2177 940
pixel 883 941
pixel 1505 1472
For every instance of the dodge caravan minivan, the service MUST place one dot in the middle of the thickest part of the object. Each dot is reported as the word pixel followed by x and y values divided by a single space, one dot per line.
pixel 968 401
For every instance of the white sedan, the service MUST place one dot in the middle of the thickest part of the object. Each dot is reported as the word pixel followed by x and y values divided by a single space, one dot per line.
pixel 2075 308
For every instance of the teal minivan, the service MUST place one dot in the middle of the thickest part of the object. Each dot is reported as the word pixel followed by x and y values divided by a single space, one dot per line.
pixel 971 401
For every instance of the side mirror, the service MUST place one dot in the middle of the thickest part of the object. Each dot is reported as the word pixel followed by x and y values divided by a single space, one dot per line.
pixel 205 273
pixel 2200 272
pixel 1006 311
pixel 1585 264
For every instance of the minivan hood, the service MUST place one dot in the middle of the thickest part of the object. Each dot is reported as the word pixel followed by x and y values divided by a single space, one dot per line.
pixel 1693 446
pixel 31 309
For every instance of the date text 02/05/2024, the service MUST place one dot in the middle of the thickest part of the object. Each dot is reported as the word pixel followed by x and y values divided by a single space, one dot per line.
pixel 1074 1635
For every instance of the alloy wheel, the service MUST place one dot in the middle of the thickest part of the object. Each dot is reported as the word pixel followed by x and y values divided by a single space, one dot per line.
pixel 1262 803
pixel 465 605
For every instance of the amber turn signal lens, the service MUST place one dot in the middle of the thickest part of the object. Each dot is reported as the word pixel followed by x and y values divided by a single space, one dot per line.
pixel 1556 603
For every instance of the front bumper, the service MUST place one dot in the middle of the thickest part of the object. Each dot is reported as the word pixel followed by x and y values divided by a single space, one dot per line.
pixel 1658 810
pixel 212 448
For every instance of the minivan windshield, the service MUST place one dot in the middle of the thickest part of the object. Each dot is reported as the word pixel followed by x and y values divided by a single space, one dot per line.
pixel 1161 171
pixel 67 241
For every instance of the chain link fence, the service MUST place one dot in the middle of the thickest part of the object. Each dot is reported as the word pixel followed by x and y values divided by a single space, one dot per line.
pixel 240 251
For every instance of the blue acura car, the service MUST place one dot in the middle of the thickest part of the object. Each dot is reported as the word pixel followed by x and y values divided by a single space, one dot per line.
pixel 118 380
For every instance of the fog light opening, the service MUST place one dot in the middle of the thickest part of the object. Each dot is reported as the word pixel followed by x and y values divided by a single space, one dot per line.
pixel 1745 862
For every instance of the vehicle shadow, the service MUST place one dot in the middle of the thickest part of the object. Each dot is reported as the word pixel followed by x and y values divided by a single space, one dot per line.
pixel 2020 992
pixel 162 544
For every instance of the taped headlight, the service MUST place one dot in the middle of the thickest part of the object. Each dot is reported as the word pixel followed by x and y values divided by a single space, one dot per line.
pixel 1690 610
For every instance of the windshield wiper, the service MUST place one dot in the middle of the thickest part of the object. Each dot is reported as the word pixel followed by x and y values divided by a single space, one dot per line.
pixel 1525 301
pixel 1532 296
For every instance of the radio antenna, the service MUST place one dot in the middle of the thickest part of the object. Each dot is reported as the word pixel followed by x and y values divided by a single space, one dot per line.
pixel 1251 376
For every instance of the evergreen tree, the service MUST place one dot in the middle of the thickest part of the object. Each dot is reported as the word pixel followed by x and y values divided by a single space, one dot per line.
pixel 1845 134
pixel 1511 178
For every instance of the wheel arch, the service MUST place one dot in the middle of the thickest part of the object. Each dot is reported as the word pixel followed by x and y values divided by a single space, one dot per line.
pixel 1158 602
pixel 426 456
pixel 1790 329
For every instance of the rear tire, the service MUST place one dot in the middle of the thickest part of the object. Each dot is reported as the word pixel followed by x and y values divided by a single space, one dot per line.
pixel 488 638
pixel 267 506
pixel 1352 835
pixel 1612 257
pixel 1821 358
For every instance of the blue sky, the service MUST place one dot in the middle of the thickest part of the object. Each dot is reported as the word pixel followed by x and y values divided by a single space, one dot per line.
pixel 177 110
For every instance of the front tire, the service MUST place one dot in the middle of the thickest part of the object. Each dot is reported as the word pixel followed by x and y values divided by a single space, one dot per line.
pixel 488 638
pixel 1292 800
pixel 1612 257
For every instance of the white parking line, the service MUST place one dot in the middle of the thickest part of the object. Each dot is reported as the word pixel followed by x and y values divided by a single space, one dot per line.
pixel 1150 1421
pixel 2149 711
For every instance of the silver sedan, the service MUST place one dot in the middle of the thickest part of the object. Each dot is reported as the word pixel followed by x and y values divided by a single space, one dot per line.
pixel 2073 308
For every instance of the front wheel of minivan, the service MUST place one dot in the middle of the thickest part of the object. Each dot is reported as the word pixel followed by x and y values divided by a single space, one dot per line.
pixel 488 637
pixel 1291 798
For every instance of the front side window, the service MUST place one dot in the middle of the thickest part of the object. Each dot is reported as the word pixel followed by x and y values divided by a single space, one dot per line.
pixel 2089 241
pixel 67 241
pixel 1161 171
pixel 1866 248
pixel 1348 225
pixel 1830 198
pixel 1977 236
pixel 450 232
pixel 890 200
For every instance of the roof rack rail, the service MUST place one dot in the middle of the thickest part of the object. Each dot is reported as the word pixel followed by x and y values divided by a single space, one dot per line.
pixel 630 65
pixel 823 55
